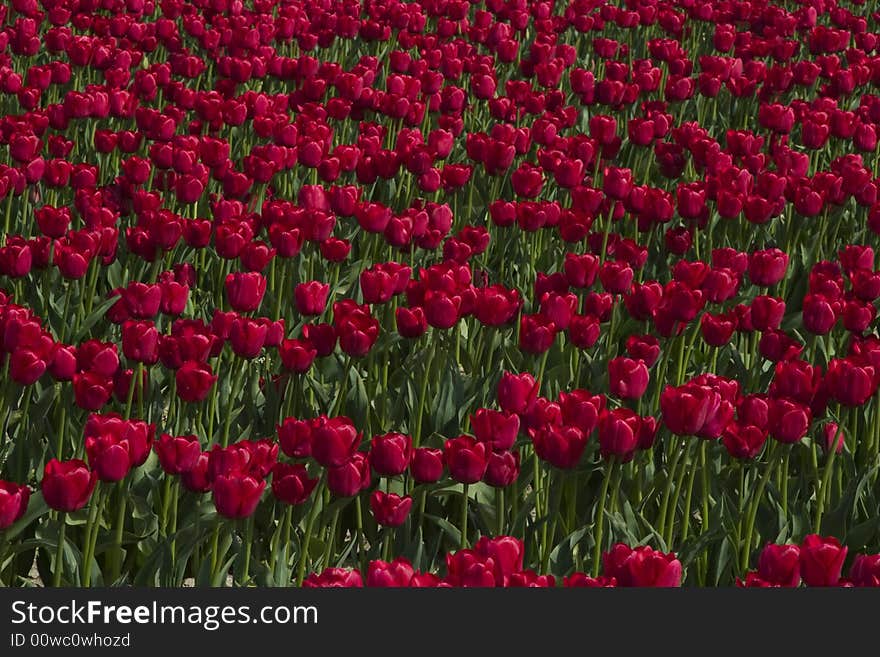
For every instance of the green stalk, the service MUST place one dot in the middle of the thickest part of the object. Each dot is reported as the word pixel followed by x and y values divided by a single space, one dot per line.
pixel 93 526
pixel 822 489
pixel 237 379
pixel 753 511
pixel 499 511
pixel 598 527
pixel 330 546
pixel 116 553
pixel 307 537
pixel 417 434
pixel 464 516
pixel 248 542
pixel 667 490
pixel 59 552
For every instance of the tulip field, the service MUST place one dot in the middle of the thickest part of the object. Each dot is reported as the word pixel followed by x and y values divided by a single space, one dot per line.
pixel 439 293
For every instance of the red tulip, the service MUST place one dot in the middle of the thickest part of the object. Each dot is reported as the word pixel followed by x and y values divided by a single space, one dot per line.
pixel 67 485
pixel 13 502
pixel 388 509
pixel 627 378
pixel 291 483
pixel 177 454
pixel 466 459
pixel 237 495
pixel 821 560
pixel 641 566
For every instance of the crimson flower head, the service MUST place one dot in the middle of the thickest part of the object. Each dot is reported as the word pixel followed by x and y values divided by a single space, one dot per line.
pixel 245 290
pixel 334 441
pixel 196 480
pixel 411 322
pixel 496 305
pixel 426 466
pixel 621 433
pixel 357 329
pixel 466 459
pixel 865 570
pixel 388 509
pixel 142 300
pixel 627 378
pixel 780 565
pixel 398 573
pixel 177 454
pixel 502 469
pixel 685 408
pixel 561 446
pixel 498 429
pixel 641 566
pixel 237 495
pixel 109 456
pixel 516 392
pixel 140 342
pixel 91 391
pixel 743 441
pixel 311 297
pixel 767 267
pixel 334 578
pixel 350 478
pixel 248 336
pixel 291 483
pixel 194 381
pixel 295 437
pixel 13 502
pixel 581 409
pixel 390 454
pixel 67 485
pixel 821 560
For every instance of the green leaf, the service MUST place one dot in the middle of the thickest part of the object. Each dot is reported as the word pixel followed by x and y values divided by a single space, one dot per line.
pixel 37 508
pixel 92 319
pixel 448 528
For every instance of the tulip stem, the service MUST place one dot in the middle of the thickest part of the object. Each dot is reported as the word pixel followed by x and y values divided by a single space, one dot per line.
pixel 116 554
pixel 682 473
pixel 464 516
pixel 66 314
pixel 166 504
pixel 386 545
pixel 753 512
pixel 307 537
pixel 330 547
pixel 175 491
pixel 598 525
pixel 825 482
pixel 688 500
pixel 285 533
pixel 248 543
pixel 552 516
pixel 237 379
pixel 417 434
pixel 704 526
pixel 667 490
pixel 215 545
pixel 359 529
pixel 92 527
pixel 59 430
pixel 343 390
pixel 499 511
pixel 135 376
pixel 784 470
pixel 59 552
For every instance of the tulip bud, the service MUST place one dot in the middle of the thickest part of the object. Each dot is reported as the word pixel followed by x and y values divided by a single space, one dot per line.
pixel 13 502
pixel 388 509
pixel 67 485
